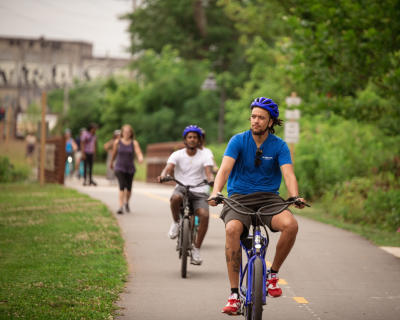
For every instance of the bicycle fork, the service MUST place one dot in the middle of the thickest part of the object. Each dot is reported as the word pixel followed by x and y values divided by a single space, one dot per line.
pixel 257 252
pixel 184 215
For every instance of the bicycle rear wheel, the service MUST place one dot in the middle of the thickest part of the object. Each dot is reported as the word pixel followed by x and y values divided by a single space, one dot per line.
pixel 255 308
pixel 185 246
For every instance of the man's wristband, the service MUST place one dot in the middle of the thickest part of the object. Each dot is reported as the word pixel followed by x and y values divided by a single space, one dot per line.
pixel 293 198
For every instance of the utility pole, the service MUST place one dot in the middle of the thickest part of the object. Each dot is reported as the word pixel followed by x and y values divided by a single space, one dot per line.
pixel 221 115
pixel 43 138
pixel 66 99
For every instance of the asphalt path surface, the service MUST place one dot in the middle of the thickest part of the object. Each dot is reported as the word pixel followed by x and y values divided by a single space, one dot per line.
pixel 330 273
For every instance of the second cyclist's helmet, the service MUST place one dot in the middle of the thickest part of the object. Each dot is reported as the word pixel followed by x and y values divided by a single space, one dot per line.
pixel 192 128
pixel 267 104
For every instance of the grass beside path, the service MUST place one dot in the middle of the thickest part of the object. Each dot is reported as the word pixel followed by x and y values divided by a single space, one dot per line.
pixel 377 236
pixel 61 254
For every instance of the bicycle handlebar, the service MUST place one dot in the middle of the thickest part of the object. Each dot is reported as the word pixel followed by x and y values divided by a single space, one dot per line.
pixel 170 178
pixel 230 203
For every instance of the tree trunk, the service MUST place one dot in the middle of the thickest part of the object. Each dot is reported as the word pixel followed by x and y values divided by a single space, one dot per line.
pixel 221 116
pixel 200 17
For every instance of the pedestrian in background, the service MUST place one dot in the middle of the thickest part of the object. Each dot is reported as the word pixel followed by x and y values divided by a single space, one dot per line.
pixel 88 146
pixel 79 163
pixel 108 147
pixel 30 146
pixel 70 149
pixel 124 151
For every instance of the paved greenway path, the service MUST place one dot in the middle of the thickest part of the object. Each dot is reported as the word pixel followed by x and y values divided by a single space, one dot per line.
pixel 330 274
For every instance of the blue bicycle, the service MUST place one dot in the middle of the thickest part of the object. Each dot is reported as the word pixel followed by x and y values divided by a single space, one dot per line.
pixel 69 166
pixel 253 273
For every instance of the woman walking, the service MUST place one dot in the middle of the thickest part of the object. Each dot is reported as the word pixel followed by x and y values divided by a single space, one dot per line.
pixel 108 147
pixel 124 151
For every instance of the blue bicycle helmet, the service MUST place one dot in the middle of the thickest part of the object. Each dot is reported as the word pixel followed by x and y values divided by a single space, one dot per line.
pixel 192 128
pixel 267 104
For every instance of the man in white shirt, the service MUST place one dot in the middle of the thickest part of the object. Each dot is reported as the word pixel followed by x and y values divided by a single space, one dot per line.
pixel 190 165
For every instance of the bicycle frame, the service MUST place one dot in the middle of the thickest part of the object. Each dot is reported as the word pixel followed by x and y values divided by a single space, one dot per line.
pixel 185 213
pixel 257 251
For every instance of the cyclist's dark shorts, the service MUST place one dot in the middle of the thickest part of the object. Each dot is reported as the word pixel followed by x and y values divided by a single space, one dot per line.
pixel 125 180
pixel 197 199
pixel 254 201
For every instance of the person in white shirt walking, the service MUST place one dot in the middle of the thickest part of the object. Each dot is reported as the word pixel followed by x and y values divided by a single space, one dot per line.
pixel 190 165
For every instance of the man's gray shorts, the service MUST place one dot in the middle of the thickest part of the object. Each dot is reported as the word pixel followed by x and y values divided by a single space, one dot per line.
pixel 197 199
pixel 253 201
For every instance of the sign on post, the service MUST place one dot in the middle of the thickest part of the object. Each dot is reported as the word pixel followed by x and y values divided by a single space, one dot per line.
pixel 292 126
pixel 292 132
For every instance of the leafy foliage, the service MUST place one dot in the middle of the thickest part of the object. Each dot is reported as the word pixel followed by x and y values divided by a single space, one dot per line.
pixel 214 38
pixel 166 98
pixel 337 150
pixel 11 173
pixel 342 57
pixel 345 44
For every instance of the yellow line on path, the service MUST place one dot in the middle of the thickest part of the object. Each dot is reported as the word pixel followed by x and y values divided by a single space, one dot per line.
pixel 300 300
pixel 150 195
pixel 282 281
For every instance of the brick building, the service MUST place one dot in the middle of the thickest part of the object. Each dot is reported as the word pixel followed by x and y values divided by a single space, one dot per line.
pixel 30 65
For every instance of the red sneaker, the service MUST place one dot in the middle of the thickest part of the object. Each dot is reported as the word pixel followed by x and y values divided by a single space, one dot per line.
pixel 272 286
pixel 232 308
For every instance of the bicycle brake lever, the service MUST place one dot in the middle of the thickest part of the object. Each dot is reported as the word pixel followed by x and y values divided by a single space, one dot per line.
pixel 218 199
pixel 302 203
pixel 166 179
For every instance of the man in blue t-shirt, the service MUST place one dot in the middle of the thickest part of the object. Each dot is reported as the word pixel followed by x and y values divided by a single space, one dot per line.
pixel 253 163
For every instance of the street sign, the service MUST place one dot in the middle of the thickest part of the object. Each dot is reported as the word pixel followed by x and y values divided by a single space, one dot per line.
pixel 210 83
pixel 292 131
pixel 292 114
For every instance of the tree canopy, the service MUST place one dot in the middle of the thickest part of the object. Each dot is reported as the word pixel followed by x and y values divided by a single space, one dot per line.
pixel 342 57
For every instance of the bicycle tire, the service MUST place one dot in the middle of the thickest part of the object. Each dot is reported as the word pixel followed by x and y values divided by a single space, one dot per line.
pixel 255 308
pixel 258 290
pixel 185 246
pixel 68 169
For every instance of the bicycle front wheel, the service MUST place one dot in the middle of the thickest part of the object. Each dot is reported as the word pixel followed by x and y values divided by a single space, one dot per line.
pixel 255 308
pixel 185 246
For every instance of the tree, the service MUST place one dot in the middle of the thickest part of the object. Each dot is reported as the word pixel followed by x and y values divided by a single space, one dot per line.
pixel 344 44
pixel 199 30
pixel 166 98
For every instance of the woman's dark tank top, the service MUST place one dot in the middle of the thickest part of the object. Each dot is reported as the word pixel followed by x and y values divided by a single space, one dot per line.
pixel 125 158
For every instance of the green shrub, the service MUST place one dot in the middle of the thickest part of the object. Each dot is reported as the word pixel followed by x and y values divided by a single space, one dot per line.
pixel 11 173
pixel 335 150
pixel 371 200
pixel 383 207
pixel 218 151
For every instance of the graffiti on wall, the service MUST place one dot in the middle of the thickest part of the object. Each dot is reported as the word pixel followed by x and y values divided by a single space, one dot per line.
pixel 44 75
